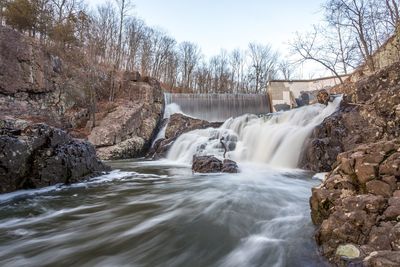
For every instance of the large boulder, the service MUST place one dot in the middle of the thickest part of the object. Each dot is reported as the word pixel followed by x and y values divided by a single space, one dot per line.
pixel 211 164
pixel 37 155
pixel 359 204
pixel 369 112
pixel 177 125
pixel 128 130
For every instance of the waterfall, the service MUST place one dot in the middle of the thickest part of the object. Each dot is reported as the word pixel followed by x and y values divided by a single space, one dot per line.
pixel 219 107
pixel 275 139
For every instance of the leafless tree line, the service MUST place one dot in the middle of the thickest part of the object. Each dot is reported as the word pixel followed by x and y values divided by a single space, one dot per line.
pixel 352 32
pixel 109 36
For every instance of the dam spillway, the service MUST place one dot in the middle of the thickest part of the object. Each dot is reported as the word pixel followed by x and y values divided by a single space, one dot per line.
pixel 219 107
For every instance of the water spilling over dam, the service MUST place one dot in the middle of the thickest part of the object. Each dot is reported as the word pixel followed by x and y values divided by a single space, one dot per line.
pixel 219 107
pixel 276 139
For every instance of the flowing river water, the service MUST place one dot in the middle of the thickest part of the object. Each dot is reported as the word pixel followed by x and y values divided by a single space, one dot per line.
pixel 158 213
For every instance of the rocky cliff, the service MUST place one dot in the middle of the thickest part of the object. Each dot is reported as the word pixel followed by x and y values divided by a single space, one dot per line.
pixel 370 112
pixel 40 84
pixel 127 130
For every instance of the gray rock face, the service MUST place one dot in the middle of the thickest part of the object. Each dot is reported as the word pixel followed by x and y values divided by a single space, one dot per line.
pixel 127 130
pixel 210 164
pixel 36 85
pixel 37 155
pixel 359 204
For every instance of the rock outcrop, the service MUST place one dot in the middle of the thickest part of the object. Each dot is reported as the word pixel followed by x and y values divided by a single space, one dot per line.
pixel 211 164
pixel 369 112
pixel 177 125
pixel 128 130
pixel 37 85
pixel 357 208
pixel 37 155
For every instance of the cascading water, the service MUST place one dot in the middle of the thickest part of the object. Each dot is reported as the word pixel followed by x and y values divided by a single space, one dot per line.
pixel 276 139
pixel 219 107
pixel 158 213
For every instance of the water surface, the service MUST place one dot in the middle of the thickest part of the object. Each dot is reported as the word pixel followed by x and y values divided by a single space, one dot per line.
pixel 160 214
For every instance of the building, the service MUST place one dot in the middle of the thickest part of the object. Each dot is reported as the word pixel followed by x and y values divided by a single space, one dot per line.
pixel 287 94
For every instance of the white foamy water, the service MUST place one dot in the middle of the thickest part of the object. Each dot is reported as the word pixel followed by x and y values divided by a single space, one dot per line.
pixel 276 140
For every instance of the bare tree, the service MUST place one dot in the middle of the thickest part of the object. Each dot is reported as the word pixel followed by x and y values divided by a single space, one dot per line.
pixel 263 63
pixel 286 69
pixel 366 20
pixel 189 55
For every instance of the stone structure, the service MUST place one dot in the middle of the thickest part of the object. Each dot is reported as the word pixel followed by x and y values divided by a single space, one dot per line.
pixel 283 93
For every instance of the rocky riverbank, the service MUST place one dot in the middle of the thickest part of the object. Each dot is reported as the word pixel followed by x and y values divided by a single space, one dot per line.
pixel 369 112
pixel 36 155
pixel 357 207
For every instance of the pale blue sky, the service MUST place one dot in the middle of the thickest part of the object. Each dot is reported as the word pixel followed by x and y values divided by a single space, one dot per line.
pixel 230 24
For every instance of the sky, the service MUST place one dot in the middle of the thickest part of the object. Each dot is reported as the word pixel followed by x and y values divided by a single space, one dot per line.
pixel 230 24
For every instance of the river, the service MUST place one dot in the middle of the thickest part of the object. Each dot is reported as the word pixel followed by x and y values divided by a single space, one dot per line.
pixel 160 214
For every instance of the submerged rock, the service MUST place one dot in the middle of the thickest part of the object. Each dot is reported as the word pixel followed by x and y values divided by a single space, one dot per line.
pixel 37 155
pixel 211 164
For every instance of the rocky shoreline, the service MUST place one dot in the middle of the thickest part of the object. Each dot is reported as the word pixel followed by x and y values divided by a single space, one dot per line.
pixel 357 207
pixel 359 204
pixel 35 155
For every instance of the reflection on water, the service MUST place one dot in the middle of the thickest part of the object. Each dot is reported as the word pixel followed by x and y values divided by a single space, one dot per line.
pixel 158 214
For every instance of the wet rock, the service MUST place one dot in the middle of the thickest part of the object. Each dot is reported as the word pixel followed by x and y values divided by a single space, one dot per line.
pixel 211 164
pixel 229 166
pixel 177 125
pixel 323 97
pixel 206 164
pixel 37 155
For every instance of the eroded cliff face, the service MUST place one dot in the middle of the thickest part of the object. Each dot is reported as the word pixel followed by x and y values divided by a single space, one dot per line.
pixel 38 86
pixel 370 112
pixel 128 129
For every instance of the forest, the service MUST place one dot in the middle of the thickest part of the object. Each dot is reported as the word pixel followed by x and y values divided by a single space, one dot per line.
pixel 109 36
